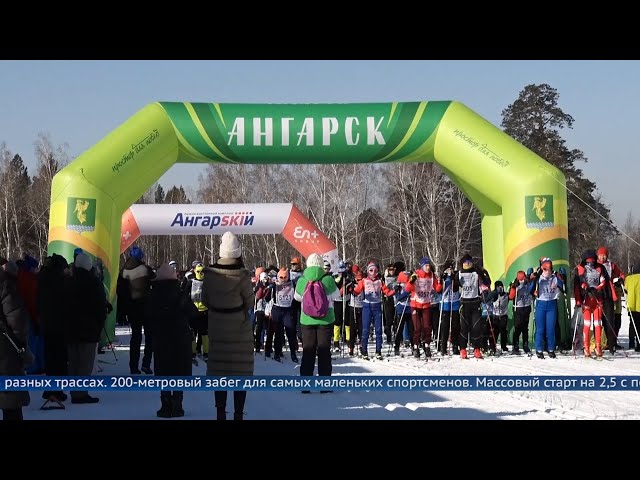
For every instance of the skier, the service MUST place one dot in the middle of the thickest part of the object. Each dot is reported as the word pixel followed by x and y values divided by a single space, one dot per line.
pixel 281 319
pixel 612 310
pixel 450 309
pixel 632 284
pixel 500 300
pixel 473 281
pixel 373 289
pixel 199 322
pixel 520 293
pixel 589 283
pixel 262 297
pixel 355 305
pixel 403 312
pixel 344 280
pixel 420 285
pixel 295 272
pixel 548 283
pixel 390 280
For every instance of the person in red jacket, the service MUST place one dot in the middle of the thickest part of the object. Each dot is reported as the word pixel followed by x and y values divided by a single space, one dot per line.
pixel 421 283
pixel 589 283
pixel 612 309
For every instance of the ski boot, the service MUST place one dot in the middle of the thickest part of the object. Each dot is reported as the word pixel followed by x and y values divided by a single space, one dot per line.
pixel 477 353
pixel 379 356
pixel 416 352
pixel 396 351
pixel 294 357
pixel 515 350
pixel 427 351
pixel 552 354
pixel 463 354
pixel 540 355
pixel 456 350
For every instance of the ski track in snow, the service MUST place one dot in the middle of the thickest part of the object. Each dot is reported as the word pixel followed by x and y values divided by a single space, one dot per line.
pixel 383 405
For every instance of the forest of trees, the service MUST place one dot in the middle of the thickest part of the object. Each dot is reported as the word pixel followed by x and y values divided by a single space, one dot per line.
pixel 384 212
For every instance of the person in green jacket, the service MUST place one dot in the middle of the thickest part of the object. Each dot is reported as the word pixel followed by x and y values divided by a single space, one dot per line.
pixel 316 329
pixel 632 286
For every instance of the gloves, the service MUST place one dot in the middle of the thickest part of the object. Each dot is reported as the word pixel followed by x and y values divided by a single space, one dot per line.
pixel 413 278
pixel 514 284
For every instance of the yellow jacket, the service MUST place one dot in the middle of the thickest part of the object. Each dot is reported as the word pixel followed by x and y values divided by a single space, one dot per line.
pixel 632 283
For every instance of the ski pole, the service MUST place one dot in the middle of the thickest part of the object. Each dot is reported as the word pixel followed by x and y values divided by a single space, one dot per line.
pixel 440 321
pixel 575 330
pixel 615 337
pixel 631 319
pixel 113 348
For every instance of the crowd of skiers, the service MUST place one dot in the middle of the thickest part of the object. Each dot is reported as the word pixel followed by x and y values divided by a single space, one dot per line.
pixel 455 309
pixel 227 316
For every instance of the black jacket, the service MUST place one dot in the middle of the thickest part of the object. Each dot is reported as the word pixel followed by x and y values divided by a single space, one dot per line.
pixel 167 314
pixel 85 307
pixel 15 321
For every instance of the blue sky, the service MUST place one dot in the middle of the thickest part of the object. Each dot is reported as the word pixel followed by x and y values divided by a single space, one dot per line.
pixel 79 102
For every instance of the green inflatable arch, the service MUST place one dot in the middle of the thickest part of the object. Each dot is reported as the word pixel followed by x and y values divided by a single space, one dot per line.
pixel 524 212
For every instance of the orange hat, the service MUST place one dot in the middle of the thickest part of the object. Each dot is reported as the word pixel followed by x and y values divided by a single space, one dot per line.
pixel 603 251
pixel 355 269
pixel 259 270
pixel 295 260
pixel 283 274
pixel 402 277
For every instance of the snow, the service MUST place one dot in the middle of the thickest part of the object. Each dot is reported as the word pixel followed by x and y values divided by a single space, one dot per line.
pixel 382 405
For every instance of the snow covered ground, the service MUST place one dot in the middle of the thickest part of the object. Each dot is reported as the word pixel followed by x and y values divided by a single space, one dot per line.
pixel 380 405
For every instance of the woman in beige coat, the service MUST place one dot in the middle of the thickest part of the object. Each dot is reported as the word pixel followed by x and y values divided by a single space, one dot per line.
pixel 228 294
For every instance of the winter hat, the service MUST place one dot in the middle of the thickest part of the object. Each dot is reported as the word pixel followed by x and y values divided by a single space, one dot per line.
pixel 283 274
pixel 295 261
pixel 83 261
pixel 467 259
pixel 230 246
pixel 195 263
pixel 355 269
pixel 263 276
pixel 499 284
pixel 589 254
pixel 199 271
pixel 403 277
pixel 11 268
pixel 424 261
pixel 400 266
pixel 259 271
pixel 342 266
pixel 315 260
pixel 30 263
pixel 371 265
pixel 546 260
pixel 137 253
pixel 173 264
pixel 166 272
pixel 76 252
pixel 326 265
pixel 603 251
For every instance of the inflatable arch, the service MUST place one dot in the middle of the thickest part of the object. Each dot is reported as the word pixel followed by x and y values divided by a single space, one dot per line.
pixel 524 212
pixel 243 218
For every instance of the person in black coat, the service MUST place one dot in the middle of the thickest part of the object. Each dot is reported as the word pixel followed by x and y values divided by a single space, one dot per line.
pixel 14 325
pixel 85 314
pixel 49 296
pixel 167 316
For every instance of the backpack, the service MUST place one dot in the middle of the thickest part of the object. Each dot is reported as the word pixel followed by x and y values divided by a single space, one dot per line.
pixel 315 302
